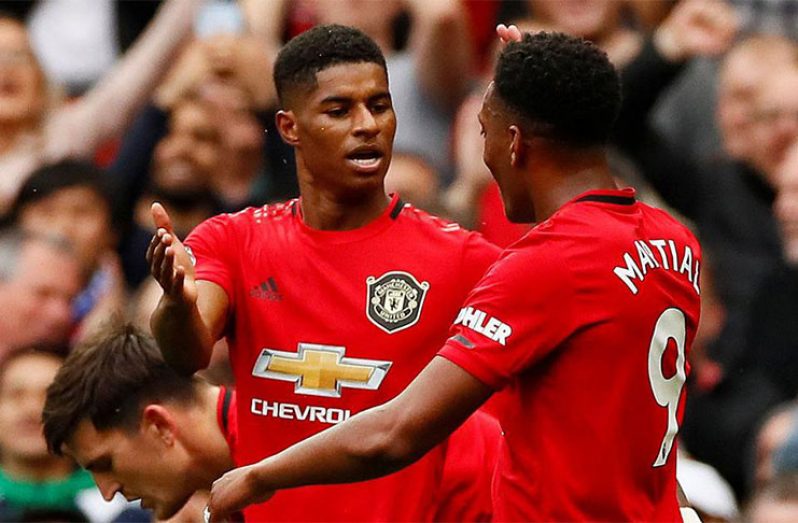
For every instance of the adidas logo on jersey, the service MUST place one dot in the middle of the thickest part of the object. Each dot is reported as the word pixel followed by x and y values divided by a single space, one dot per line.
pixel 267 290
pixel 490 327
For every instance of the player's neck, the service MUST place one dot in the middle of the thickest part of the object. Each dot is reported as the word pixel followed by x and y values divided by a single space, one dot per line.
pixel 330 212
pixel 563 179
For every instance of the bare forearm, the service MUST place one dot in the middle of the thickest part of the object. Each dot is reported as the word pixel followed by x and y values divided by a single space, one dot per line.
pixel 367 446
pixel 371 444
pixel 130 84
pixel 185 341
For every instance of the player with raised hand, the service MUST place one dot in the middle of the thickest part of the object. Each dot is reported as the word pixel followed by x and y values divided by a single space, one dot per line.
pixel 331 303
pixel 586 322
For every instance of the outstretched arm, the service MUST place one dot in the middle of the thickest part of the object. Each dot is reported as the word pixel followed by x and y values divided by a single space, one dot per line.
pixel 108 108
pixel 374 443
pixel 190 315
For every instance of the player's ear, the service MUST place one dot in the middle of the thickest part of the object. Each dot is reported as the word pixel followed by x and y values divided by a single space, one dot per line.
pixel 286 126
pixel 517 147
pixel 159 423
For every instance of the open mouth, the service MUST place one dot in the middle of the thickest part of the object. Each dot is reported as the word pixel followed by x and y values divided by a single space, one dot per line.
pixel 365 159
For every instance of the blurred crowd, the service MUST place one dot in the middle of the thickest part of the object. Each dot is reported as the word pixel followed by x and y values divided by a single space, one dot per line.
pixel 107 106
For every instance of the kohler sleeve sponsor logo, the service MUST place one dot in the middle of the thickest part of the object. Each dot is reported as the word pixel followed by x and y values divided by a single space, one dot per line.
pixel 489 326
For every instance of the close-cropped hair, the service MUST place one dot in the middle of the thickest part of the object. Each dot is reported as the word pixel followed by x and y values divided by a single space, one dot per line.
pixel 109 380
pixel 563 87
pixel 317 49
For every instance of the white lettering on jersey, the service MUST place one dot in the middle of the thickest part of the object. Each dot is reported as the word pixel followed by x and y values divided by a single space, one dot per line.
pixel 641 259
pixel 290 411
pixel 490 327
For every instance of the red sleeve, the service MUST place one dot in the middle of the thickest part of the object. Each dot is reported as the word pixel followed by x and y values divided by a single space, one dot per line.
pixel 478 255
pixel 211 244
pixel 517 314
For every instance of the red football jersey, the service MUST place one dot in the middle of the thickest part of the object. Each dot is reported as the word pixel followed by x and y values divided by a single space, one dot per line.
pixel 471 453
pixel 325 324
pixel 587 322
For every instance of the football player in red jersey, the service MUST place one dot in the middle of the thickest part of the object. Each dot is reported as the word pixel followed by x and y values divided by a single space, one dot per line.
pixel 135 424
pixel 331 303
pixel 144 430
pixel 586 321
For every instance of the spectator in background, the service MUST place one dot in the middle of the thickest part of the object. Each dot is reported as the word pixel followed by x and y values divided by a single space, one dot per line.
pixel 229 73
pixel 34 131
pixel 206 124
pixel 33 483
pixel 40 276
pixel 71 199
pixel 776 502
pixel 786 205
pixel 772 342
pixel 600 21
pixel 183 164
pixel 743 70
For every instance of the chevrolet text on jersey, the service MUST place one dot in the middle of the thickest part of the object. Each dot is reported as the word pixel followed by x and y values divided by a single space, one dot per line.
pixel 493 328
pixel 668 256
pixel 291 411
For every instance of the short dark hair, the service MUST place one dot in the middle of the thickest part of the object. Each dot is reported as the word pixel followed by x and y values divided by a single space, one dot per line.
pixel 563 86
pixel 64 174
pixel 108 380
pixel 317 49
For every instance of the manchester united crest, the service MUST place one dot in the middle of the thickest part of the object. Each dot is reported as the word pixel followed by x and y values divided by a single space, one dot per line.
pixel 395 300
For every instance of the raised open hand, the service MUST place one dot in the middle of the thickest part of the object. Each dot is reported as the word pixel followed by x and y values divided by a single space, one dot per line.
pixel 169 261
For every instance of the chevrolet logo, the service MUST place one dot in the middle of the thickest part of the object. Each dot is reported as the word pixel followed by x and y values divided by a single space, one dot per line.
pixel 320 370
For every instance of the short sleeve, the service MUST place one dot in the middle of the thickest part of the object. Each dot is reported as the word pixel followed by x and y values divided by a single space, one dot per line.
pixel 478 255
pixel 518 313
pixel 210 243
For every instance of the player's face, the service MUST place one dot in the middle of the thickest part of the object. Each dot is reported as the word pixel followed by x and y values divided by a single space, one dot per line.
pixel 139 465
pixel 343 130
pixel 497 157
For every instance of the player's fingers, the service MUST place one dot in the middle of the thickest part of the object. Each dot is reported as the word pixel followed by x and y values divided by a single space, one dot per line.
pixel 150 248
pixel 514 33
pixel 168 270
pixel 178 281
pixel 156 260
pixel 160 217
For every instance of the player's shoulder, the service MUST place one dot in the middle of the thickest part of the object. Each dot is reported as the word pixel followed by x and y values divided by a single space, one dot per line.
pixel 668 223
pixel 427 224
pixel 271 213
